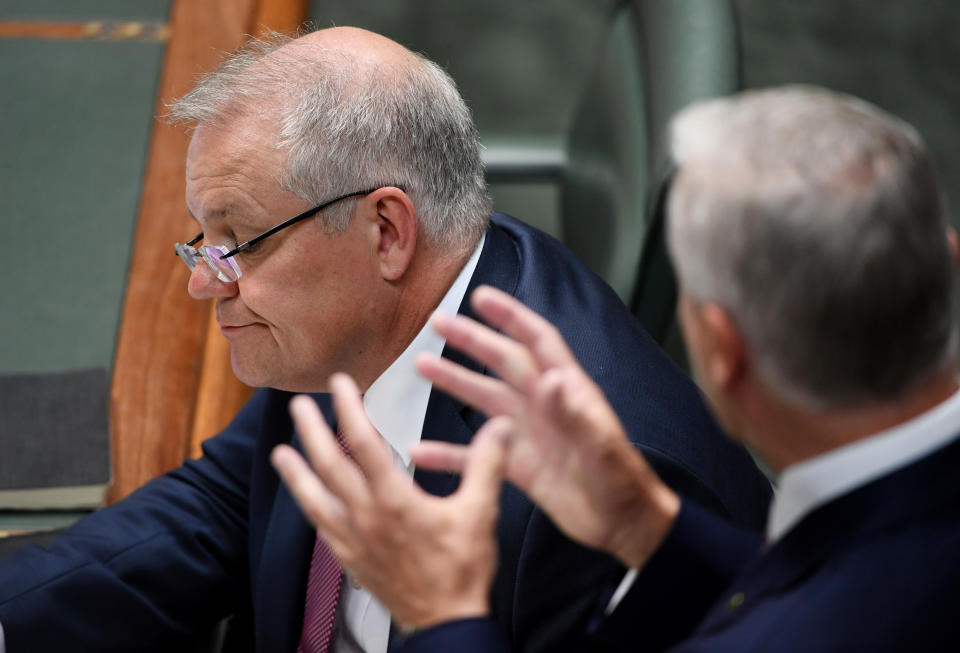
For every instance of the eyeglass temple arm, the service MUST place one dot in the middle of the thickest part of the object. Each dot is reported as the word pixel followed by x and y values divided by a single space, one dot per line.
pixel 190 243
pixel 297 218
pixel 283 225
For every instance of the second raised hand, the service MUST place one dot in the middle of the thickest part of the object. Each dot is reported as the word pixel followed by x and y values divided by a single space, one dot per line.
pixel 569 451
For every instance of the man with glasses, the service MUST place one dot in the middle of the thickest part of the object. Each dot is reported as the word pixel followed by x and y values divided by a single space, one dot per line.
pixel 371 150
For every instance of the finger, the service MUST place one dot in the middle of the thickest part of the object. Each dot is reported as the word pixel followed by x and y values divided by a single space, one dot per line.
pixel 559 398
pixel 439 456
pixel 554 385
pixel 364 443
pixel 486 464
pixel 509 359
pixel 330 464
pixel 489 395
pixel 577 408
pixel 505 312
pixel 320 506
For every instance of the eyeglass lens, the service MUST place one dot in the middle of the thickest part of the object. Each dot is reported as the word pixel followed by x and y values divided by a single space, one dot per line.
pixel 225 269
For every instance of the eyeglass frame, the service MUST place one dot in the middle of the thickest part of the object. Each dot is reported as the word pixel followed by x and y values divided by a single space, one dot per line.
pixel 266 234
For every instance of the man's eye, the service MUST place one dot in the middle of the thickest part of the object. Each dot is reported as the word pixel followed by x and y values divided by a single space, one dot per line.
pixel 252 249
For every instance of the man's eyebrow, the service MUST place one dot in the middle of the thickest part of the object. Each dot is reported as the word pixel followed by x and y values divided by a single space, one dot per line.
pixel 225 212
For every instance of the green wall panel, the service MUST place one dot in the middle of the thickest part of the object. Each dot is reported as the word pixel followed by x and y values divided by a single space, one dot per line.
pixel 521 66
pixel 903 56
pixel 75 121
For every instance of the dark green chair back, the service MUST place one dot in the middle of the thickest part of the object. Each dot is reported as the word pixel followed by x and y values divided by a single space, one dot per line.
pixel 659 56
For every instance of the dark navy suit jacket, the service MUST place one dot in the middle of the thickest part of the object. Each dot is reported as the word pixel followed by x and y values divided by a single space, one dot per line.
pixel 877 569
pixel 221 535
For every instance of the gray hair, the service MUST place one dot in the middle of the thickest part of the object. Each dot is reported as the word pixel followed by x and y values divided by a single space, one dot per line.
pixel 349 126
pixel 817 220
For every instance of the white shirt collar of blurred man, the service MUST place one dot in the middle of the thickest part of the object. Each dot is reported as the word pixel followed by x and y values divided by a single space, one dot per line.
pixel 807 485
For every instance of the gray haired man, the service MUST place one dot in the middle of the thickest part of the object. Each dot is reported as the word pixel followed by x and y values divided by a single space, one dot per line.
pixel 816 266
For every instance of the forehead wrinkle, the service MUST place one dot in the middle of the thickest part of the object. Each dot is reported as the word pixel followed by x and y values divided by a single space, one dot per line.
pixel 225 213
pixel 230 173
pixel 231 202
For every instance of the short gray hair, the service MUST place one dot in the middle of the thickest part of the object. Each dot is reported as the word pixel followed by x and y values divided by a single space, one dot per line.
pixel 349 126
pixel 817 220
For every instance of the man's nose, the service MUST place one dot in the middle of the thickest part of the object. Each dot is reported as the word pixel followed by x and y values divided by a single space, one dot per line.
pixel 204 284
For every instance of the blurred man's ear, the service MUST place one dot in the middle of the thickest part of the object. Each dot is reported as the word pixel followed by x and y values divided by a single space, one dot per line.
pixel 726 354
pixel 396 231
pixel 953 241
pixel 714 344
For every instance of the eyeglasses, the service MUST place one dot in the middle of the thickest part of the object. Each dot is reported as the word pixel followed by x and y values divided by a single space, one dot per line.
pixel 220 259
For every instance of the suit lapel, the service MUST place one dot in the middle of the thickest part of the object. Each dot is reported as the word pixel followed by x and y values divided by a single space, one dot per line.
pixel 904 497
pixel 448 419
pixel 288 544
pixel 784 565
pixel 285 564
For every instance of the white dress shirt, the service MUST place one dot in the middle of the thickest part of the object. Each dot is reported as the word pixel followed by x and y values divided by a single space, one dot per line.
pixel 807 485
pixel 396 404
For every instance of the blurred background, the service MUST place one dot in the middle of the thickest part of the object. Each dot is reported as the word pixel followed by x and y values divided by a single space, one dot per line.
pixel 570 98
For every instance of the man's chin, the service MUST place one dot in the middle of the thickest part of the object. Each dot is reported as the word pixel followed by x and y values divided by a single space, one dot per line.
pixel 254 376
pixel 266 376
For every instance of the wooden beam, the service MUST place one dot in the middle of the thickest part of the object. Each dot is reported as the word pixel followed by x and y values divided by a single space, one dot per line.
pixel 163 331
pixel 279 15
pixel 172 381
pixel 110 30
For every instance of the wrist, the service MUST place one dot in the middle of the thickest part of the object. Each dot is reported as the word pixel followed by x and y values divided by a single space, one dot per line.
pixel 448 611
pixel 642 534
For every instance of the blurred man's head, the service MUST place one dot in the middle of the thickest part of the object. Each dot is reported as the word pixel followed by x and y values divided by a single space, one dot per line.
pixel 285 125
pixel 816 223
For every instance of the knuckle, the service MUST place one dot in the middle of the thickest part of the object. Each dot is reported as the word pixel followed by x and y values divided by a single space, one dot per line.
pixel 323 465
pixel 315 514
pixel 392 506
pixel 367 525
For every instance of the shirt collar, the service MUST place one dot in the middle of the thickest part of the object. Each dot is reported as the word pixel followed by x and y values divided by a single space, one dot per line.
pixel 806 485
pixel 396 402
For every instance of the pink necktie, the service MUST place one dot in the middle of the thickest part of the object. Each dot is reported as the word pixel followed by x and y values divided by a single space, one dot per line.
pixel 323 593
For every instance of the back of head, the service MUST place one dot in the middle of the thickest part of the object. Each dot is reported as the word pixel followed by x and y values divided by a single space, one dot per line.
pixel 349 121
pixel 816 219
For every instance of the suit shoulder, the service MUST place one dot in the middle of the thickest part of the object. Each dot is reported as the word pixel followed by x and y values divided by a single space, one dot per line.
pixel 892 591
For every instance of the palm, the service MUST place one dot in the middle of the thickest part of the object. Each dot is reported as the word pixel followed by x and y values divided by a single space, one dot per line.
pixel 569 452
pixel 368 511
pixel 573 460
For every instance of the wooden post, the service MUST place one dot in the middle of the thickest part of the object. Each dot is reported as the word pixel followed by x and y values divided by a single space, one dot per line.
pixel 172 382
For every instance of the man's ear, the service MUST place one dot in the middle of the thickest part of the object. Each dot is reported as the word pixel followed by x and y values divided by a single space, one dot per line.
pixel 724 350
pixel 396 231
pixel 953 242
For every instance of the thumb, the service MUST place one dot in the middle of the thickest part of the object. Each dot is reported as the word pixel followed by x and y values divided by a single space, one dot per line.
pixel 439 456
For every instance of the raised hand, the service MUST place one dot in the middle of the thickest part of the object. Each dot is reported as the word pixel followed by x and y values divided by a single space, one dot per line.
pixel 569 452
pixel 428 559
